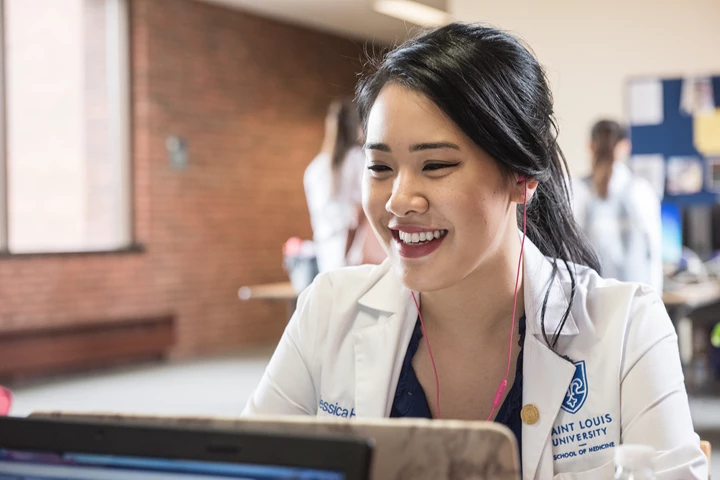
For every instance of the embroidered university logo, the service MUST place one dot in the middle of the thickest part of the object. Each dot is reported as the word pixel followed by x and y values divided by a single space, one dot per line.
pixel 578 389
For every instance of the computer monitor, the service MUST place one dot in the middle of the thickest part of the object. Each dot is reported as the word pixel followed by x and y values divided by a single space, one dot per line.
pixel 672 237
pixel 32 449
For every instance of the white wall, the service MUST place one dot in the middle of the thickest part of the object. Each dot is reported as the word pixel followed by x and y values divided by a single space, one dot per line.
pixel 590 49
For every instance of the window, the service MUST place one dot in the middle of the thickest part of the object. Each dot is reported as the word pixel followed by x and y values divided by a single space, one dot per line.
pixel 65 148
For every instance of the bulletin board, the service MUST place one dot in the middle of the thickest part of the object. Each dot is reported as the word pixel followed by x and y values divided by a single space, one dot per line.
pixel 675 133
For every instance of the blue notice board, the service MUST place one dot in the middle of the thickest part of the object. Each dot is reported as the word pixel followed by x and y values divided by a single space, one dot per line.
pixel 674 137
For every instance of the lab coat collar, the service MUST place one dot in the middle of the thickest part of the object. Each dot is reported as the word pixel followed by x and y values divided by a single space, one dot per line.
pixel 388 294
pixel 538 270
pixel 546 378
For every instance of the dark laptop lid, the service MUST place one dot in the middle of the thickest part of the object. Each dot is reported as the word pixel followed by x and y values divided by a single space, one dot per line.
pixel 69 450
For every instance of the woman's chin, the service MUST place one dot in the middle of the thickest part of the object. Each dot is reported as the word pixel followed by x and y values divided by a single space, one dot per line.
pixel 420 279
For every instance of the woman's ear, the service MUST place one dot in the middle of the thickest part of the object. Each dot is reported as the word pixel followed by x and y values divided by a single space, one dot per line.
pixel 523 182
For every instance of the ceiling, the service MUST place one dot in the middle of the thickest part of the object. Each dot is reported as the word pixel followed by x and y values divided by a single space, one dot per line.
pixel 353 18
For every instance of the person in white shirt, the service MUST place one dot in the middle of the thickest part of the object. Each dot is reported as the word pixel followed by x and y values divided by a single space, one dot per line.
pixel 619 212
pixel 489 305
pixel 333 190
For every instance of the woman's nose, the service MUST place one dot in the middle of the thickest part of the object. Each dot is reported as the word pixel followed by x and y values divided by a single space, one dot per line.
pixel 406 198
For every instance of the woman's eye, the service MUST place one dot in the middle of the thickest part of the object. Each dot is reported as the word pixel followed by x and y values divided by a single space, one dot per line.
pixel 430 167
pixel 379 168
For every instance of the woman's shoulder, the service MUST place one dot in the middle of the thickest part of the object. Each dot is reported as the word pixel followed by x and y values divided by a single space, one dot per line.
pixel 603 304
pixel 588 279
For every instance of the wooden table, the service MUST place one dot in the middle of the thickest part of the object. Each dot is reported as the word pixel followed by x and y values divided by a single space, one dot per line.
pixel 700 303
pixel 281 291
pixel 693 295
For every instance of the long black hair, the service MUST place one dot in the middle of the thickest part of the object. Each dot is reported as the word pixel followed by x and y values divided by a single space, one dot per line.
pixel 496 92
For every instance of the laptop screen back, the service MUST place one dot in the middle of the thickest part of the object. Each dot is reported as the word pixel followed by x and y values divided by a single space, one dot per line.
pixel 28 465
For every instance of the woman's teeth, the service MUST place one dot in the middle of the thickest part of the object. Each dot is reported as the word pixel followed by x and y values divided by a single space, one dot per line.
pixel 417 238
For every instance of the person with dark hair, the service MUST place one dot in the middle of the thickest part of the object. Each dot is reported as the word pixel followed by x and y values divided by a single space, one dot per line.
pixel 619 212
pixel 490 304
pixel 332 184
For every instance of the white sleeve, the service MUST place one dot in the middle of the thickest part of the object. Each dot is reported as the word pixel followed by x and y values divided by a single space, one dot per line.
pixel 290 382
pixel 580 197
pixel 654 403
pixel 649 216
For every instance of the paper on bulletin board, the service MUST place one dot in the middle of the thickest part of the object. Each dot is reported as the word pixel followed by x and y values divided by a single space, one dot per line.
pixel 684 175
pixel 706 133
pixel 696 96
pixel 646 102
pixel 652 169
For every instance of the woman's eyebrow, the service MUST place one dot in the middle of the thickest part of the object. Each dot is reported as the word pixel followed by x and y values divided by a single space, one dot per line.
pixel 414 148
pixel 433 146
pixel 377 146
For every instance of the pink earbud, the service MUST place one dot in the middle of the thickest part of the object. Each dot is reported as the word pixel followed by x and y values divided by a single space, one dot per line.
pixel 521 178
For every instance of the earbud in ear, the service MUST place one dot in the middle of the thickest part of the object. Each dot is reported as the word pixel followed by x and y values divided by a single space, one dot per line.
pixel 521 178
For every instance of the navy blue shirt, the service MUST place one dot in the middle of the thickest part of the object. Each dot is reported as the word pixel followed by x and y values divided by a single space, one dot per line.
pixel 410 400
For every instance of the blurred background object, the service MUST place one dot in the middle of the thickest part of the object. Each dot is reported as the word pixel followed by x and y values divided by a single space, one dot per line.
pixel 619 211
pixel 5 400
pixel 333 183
pixel 300 262
pixel 428 13
pixel 152 155
pixel 333 188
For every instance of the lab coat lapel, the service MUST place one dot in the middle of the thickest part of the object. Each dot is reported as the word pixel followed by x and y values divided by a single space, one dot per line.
pixel 546 378
pixel 379 346
pixel 546 375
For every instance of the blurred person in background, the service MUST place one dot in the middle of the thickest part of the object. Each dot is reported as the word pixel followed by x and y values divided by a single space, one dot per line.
pixel 619 212
pixel 333 180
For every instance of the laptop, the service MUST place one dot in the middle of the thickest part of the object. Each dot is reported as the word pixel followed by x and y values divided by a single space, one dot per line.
pixel 403 449
pixel 52 449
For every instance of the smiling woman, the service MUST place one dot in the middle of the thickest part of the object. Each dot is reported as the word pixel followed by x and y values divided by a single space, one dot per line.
pixel 465 187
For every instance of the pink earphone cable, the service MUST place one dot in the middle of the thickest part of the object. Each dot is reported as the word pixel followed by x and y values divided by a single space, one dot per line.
pixel 503 383
pixel 432 358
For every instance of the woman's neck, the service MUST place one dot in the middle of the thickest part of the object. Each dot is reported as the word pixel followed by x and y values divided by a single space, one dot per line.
pixel 482 303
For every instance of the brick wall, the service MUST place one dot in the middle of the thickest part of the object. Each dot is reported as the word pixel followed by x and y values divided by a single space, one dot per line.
pixel 249 97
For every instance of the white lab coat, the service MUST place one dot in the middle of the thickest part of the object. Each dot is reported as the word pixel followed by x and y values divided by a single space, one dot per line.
pixel 342 352
pixel 631 209
pixel 333 214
